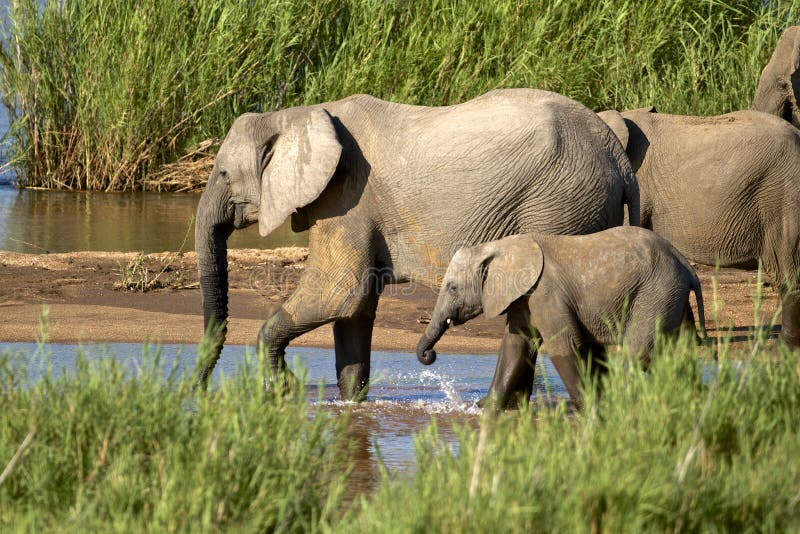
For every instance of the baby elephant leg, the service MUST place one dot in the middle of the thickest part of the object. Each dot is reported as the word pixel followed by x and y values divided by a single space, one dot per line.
pixel 564 350
pixel 567 367
pixel 639 343
pixel 688 326
pixel 512 383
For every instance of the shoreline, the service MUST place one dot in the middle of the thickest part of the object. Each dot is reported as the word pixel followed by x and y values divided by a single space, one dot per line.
pixel 86 301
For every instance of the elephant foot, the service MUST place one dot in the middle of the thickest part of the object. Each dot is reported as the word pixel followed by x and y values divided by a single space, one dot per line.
pixel 485 402
pixel 790 337
pixel 514 401
pixel 790 318
pixel 353 383
pixel 281 382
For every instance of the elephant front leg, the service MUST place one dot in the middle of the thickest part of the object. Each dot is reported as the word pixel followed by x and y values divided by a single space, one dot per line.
pixel 513 376
pixel 512 383
pixel 353 342
pixel 279 329
pixel 790 317
pixel 314 304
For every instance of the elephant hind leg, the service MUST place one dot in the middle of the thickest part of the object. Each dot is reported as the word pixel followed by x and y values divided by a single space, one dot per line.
pixel 566 351
pixel 639 341
pixel 353 342
pixel 688 325
pixel 790 316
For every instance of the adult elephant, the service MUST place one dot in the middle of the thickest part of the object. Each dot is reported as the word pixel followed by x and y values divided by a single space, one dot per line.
pixel 723 190
pixel 779 86
pixel 391 191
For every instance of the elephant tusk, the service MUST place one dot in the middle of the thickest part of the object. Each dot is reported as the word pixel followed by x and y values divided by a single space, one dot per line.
pixel 449 321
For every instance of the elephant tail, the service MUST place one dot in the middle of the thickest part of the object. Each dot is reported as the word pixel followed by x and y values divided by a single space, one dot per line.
pixel 694 284
pixel 630 197
pixel 698 297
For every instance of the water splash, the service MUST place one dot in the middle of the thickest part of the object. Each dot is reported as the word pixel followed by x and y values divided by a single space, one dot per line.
pixel 453 400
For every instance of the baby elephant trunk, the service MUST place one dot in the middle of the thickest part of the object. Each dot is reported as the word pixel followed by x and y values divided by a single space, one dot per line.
pixel 436 329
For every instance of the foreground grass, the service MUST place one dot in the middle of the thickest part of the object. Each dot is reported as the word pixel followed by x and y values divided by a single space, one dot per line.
pixel 106 450
pixel 690 446
pixel 103 93
pixel 675 450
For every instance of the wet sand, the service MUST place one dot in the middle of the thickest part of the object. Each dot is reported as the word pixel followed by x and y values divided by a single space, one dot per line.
pixel 85 301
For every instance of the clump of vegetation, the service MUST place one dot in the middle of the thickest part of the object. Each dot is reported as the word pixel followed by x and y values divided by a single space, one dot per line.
pixel 105 448
pixel 137 276
pixel 103 94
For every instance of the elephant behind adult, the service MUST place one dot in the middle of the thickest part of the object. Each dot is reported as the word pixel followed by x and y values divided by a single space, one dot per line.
pixel 723 190
pixel 778 89
pixel 391 191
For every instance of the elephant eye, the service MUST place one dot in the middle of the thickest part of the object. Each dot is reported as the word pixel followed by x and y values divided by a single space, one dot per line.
pixel 452 289
pixel 225 176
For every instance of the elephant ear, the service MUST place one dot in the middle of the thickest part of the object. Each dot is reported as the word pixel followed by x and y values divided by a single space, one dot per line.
pixel 617 124
pixel 304 158
pixel 778 85
pixel 513 266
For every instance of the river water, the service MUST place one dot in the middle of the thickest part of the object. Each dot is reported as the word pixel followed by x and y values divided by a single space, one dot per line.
pixel 39 221
pixel 404 396
pixel 62 221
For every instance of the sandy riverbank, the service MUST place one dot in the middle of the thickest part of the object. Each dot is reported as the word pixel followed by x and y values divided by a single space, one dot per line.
pixel 86 302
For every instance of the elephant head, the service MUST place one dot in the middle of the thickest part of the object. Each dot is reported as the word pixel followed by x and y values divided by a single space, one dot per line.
pixel 779 85
pixel 269 165
pixel 482 279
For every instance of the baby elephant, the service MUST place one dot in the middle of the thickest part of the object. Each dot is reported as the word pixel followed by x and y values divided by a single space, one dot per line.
pixel 570 296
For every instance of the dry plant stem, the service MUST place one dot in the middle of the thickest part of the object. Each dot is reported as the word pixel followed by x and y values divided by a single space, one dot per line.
pixel 17 458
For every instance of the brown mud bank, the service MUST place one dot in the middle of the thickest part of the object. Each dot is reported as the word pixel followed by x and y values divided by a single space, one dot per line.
pixel 88 299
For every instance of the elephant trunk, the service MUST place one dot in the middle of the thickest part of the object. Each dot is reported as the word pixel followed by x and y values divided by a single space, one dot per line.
pixel 436 329
pixel 213 226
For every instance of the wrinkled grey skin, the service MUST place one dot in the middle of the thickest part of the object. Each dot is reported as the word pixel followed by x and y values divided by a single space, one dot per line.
pixel 390 191
pixel 578 293
pixel 723 190
pixel 779 86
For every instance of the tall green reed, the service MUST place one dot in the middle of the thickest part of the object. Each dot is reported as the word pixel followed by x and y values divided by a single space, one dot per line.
pixel 103 93
pixel 689 446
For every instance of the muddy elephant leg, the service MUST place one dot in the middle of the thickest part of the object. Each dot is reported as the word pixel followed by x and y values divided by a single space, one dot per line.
pixel 319 299
pixel 512 383
pixel 278 331
pixel 353 341
pixel 790 318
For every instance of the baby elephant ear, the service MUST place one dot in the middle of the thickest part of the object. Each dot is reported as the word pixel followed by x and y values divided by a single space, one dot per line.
pixel 305 155
pixel 514 266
